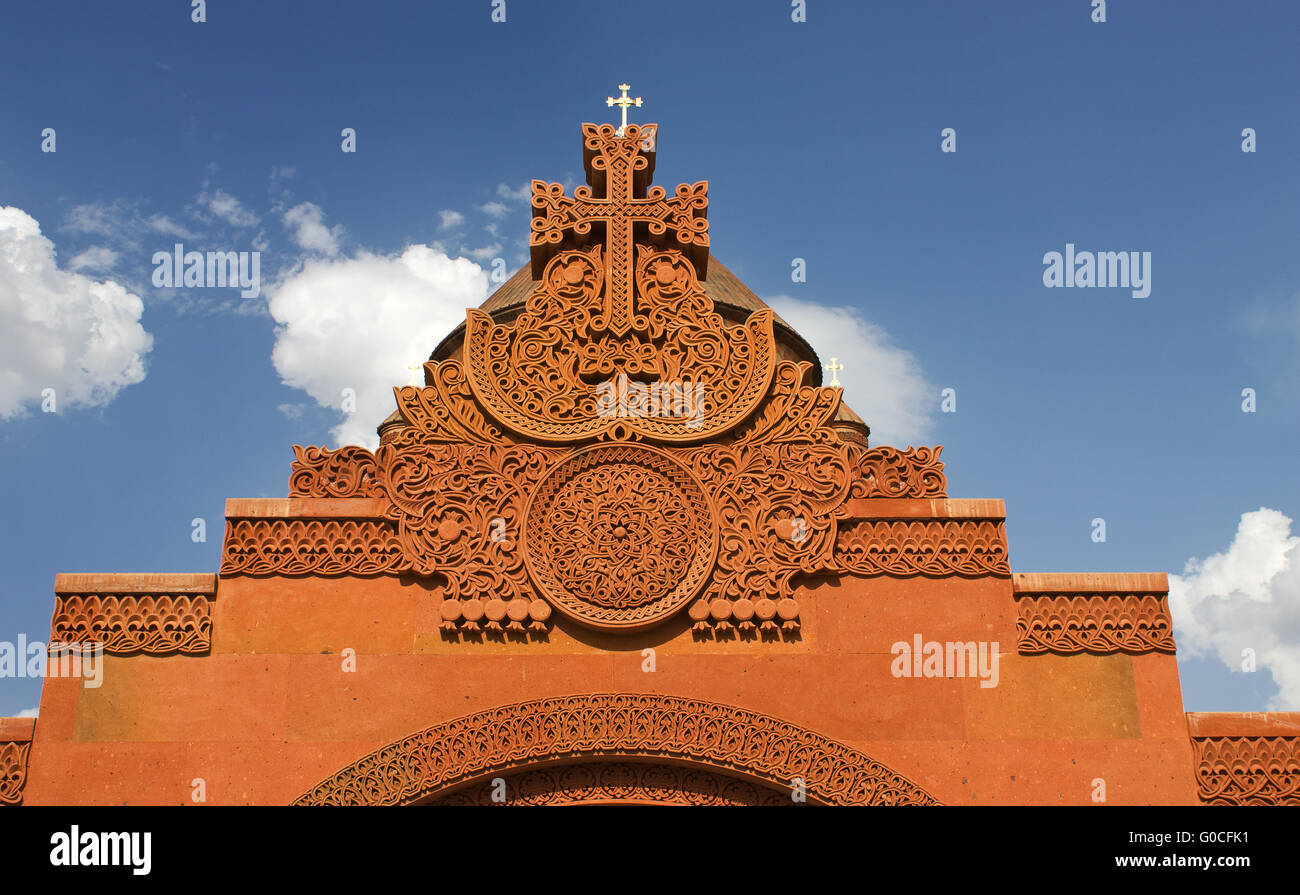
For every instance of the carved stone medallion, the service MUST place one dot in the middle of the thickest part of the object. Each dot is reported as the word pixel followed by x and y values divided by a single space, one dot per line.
pixel 620 537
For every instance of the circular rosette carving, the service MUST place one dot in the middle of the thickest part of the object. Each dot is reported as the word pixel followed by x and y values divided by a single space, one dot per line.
pixel 620 537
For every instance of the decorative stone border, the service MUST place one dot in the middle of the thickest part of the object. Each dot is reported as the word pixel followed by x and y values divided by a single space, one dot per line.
pixel 150 614
pixel 716 738
pixel 1245 758
pixel 1093 613
pixel 15 745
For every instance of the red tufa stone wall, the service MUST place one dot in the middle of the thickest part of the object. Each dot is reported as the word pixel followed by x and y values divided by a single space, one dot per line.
pixel 605 606
pixel 267 711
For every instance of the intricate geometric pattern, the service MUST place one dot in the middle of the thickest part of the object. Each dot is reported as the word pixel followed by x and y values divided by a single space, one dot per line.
pixel 155 624
pixel 619 782
pixel 1094 623
pixel 13 771
pixel 969 548
pixel 311 547
pixel 346 472
pixel 889 472
pixel 620 537
pixel 1248 770
pixel 622 726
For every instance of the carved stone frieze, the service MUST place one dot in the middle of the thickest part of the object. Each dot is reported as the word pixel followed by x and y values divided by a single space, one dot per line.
pixel 620 727
pixel 1248 770
pixel 1094 623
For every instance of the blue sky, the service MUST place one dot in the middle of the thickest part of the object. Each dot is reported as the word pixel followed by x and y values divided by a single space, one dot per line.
pixel 820 140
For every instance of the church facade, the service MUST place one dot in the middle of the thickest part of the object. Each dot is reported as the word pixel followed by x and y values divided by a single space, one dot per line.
pixel 623 545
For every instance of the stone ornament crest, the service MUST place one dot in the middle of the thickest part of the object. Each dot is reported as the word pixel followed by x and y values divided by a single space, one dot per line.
pixel 617 452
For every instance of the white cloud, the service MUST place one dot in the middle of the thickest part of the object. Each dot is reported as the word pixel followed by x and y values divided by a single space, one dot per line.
pixel 61 330
pixel 516 195
pixel 228 208
pixel 450 218
pixel 883 383
pixel 29 713
pixel 358 323
pixel 163 224
pixel 1247 597
pixel 485 253
pixel 94 258
pixel 103 218
pixel 495 209
pixel 306 223
pixel 292 411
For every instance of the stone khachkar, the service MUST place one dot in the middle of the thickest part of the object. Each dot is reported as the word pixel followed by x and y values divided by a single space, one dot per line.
pixel 623 546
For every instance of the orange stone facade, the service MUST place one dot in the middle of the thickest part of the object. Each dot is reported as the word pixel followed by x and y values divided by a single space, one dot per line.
pixel 623 546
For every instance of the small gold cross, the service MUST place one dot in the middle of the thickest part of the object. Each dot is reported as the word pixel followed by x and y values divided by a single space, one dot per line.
pixel 835 366
pixel 624 101
pixel 417 381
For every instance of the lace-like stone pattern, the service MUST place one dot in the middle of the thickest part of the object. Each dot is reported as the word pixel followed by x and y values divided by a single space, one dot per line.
pixel 620 537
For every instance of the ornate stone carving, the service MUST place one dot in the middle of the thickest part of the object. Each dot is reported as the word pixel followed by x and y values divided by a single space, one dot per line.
pixel 13 771
pixel 320 472
pixel 1094 623
pixel 154 624
pixel 621 727
pixel 1248 770
pixel 633 307
pixel 889 472
pixel 969 548
pixel 601 782
pixel 718 504
pixel 544 384
pixel 311 547
pixel 620 536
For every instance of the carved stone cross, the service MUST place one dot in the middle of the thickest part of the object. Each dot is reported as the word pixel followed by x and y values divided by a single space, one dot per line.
pixel 618 166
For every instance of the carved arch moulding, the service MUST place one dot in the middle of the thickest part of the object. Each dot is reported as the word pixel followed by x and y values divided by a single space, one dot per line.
pixel 617 747
pixel 617 452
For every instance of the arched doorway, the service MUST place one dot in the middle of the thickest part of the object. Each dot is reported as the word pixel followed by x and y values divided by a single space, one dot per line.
pixel 603 747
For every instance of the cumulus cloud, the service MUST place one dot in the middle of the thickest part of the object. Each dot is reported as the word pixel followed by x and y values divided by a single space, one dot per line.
pixel 1247 597
pixel 29 713
pixel 519 194
pixel 163 224
pixel 494 209
pixel 306 225
pixel 59 329
pixel 94 258
pixel 359 323
pixel 883 383
pixel 228 208
pixel 449 219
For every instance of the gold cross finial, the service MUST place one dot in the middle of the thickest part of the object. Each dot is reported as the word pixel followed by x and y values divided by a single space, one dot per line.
pixel 417 381
pixel 835 366
pixel 623 101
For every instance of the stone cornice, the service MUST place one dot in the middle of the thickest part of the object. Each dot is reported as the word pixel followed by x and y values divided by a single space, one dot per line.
pixel 1246 758
pixel 15 745
pixel 1077 612
pixel 128 614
